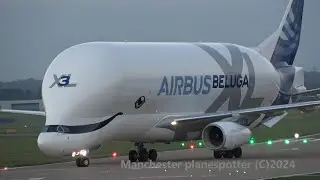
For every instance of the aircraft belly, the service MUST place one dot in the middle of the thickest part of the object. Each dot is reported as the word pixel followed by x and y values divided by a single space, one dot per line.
pixel 130 127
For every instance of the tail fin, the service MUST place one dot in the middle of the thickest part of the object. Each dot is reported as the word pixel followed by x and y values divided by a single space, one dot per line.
pixel 281 47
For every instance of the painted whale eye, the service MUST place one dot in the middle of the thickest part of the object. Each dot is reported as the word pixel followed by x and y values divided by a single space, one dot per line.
pixel 139 102
pixel 60 129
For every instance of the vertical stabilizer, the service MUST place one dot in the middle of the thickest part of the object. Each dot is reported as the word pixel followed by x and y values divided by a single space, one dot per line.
pixel 281 47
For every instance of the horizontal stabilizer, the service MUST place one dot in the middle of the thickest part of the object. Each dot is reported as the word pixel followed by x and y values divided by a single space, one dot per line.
pixel 37 113
pixel 305 92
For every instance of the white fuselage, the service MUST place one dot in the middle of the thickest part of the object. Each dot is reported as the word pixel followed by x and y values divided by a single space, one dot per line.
pixel 108 78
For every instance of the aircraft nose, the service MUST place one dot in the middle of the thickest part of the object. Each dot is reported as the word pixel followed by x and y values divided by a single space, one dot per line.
pixel 47 145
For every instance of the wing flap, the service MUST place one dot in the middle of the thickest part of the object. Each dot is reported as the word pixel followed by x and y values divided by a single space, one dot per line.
pixel 274 120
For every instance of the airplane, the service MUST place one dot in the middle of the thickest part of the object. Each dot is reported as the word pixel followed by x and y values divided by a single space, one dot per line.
pixel 161 92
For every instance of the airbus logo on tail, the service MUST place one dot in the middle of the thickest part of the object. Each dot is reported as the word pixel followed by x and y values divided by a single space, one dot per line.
pixel 62 81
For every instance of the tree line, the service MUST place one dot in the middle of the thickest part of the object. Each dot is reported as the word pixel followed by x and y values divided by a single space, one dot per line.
pixel 28 89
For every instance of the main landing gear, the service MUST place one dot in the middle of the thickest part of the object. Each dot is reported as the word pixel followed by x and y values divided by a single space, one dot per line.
pixel 228 154
pixel 142 154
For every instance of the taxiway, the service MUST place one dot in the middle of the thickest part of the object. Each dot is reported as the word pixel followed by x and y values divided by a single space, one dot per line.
pixel 259 161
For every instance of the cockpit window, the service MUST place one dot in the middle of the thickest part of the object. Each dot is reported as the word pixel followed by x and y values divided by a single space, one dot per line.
pixel 79 129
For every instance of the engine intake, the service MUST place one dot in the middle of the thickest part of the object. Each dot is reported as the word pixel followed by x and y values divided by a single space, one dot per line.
pixel 225 135
pixel 215 136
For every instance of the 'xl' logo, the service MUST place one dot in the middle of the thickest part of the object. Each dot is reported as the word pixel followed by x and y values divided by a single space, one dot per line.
pixel 62 81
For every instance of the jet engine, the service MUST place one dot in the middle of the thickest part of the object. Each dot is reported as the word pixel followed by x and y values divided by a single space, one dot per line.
pixel 225 135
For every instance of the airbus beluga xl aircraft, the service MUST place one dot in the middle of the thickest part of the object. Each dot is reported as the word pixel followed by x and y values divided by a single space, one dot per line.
pixel 158 92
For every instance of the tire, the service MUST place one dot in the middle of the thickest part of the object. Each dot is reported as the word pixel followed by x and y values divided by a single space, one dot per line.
pixel 133 156
pixel 153 154
pixel 143 155
pixel 237 152
pixel 78 162
pixel 228 154
pixel 85 162
pixel 217 154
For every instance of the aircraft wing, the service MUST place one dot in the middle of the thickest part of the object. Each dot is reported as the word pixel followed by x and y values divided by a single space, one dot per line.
pixel 12 111
pixel 197 122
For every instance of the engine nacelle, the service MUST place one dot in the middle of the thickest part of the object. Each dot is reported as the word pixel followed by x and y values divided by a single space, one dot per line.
pixel 225 135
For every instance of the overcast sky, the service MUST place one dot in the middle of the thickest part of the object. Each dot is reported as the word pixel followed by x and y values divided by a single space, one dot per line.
pixel 33 32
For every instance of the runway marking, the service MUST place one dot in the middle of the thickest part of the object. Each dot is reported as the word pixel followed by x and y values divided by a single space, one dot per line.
pixel 290 175
pixel 284 149
pixel 292 149
pixel 160 177
pixel 46 169
pixel 36 178
pixel 103 172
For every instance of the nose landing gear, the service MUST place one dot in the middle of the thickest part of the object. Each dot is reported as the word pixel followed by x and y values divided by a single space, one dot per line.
pixel 142 154
pixel 82 159
pixel 83 162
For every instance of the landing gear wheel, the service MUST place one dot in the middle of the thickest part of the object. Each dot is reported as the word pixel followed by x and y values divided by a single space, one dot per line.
pixel 78 162
pixel 217 154
pixel 143 155
pixel 83 162
pixel 237 152
pixel 133 156
pixel 153 154
pixel 228 154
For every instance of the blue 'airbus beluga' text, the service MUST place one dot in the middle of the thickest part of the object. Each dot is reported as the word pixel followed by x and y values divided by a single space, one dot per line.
pixel 187 85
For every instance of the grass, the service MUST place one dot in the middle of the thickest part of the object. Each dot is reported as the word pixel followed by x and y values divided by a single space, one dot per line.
pixel 23 150
pixel 295 122
pixel 23 124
